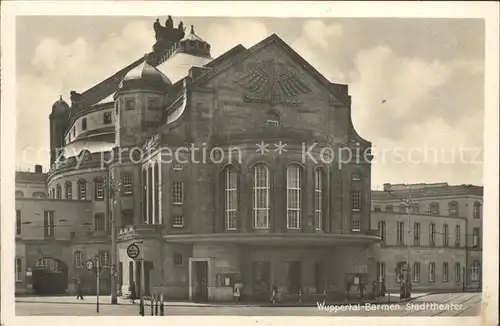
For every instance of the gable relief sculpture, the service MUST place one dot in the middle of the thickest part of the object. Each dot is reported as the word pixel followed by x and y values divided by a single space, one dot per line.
pixel 273 82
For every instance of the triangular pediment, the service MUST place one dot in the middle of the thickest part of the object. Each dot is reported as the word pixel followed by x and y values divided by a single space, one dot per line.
pixel 272 72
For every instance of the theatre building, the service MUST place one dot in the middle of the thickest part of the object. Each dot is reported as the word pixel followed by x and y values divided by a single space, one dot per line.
pixel 261 202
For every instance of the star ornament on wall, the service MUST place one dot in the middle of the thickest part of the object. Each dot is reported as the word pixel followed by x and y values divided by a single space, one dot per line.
pixel 273 82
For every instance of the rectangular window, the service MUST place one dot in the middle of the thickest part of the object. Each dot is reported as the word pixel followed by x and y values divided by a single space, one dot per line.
pixel 432 272
pixel 48 223
pixel 432 234
pixel 153 103
pixel 457 236
pixel 445 272
pixel 104 258
pixel 19 224
pixel 126 180
pixel 445 235
pixel 356 226
pixel 129 104
pixel 99 190
pixel 178 258
pixel 84 124
pixel 107 118
pixel 178 221
pixel 82 190
pixel 416 234
pixel 457 272
pixel 475 238
pixel 356 200
pixel 74 132
pixel 381 228
pixel 19 269
pixel 416 272
pixel 400 234
pixel 99 222
pixel 177 193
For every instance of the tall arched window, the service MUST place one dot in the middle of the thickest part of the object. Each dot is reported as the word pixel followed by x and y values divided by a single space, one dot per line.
pixel 477 209
pixel 156 194
pixel 144 195
pixel 261 192
pixel 356 202
pixel 150 195
pixel 318 198
pixel 78 258
pixel 231 197
pixel 69 190
pixel 82 189
pixel 434 209
pixel 453 208
pixel 475 270
pixel 293 187
pixel 58 191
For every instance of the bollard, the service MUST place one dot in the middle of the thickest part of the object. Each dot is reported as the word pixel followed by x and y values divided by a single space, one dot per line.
pixel 141 308
pixel 162 313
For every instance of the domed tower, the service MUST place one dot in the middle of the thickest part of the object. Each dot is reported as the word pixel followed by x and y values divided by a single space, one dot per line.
pixel 138 104
pixel 191 51
pixel 59 119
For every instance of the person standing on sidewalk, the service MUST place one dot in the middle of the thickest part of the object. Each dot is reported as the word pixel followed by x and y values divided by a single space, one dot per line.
pixel 237 292
pixel 79 288
pixel 132 292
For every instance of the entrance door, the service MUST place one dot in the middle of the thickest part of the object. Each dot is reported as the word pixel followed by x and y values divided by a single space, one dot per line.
pixel 319 277
pixel 294 277
pixel 261 279
pixel 201 287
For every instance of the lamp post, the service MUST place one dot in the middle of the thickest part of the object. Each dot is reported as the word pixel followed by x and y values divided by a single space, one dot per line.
pixel 110 185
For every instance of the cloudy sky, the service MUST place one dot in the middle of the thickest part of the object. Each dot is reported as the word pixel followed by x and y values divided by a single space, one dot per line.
pixel 416 84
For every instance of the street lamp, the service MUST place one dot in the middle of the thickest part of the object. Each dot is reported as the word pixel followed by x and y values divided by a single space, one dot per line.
pixel 111 186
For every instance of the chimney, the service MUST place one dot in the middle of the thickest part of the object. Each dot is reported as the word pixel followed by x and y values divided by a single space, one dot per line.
pixel 38 169
pixel 387 187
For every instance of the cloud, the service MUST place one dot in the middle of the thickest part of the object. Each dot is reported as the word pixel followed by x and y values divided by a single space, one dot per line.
pixel 58 68
pixel 224 37
pixel 408 107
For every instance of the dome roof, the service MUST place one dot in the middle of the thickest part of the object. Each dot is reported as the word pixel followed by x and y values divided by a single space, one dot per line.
pixel 60 106
pixel 178 65
pixel 147 73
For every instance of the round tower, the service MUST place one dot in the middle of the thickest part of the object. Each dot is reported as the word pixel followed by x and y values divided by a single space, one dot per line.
pixel 138 104
pixel 59 119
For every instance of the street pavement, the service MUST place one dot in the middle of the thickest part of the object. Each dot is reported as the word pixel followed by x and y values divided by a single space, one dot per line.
pixel 443 304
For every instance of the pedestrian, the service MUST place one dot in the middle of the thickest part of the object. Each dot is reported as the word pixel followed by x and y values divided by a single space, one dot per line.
pixel 132 292
pixel 361 290
pixel 79 289
pixel 347 289
pixel 237 292
pixel 274 294
pixel 374 289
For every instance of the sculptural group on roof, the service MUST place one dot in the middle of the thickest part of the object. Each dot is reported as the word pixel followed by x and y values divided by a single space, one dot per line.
pixel 168 34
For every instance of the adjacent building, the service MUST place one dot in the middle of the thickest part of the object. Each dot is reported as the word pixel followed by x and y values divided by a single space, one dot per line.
pixel 434 227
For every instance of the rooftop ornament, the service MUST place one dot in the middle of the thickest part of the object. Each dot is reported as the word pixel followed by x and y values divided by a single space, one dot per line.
pixel 167 35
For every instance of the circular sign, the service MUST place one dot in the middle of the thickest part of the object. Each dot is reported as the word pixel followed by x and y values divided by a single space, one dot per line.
pixel 89 264
pixel 133 251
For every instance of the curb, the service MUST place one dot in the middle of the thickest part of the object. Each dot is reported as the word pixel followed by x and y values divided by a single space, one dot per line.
pixel 265 305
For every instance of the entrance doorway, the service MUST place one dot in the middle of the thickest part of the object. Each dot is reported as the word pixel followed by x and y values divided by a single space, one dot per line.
pixel 294 277
pixel 261 280
pixel 201 281
pixel 50 276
